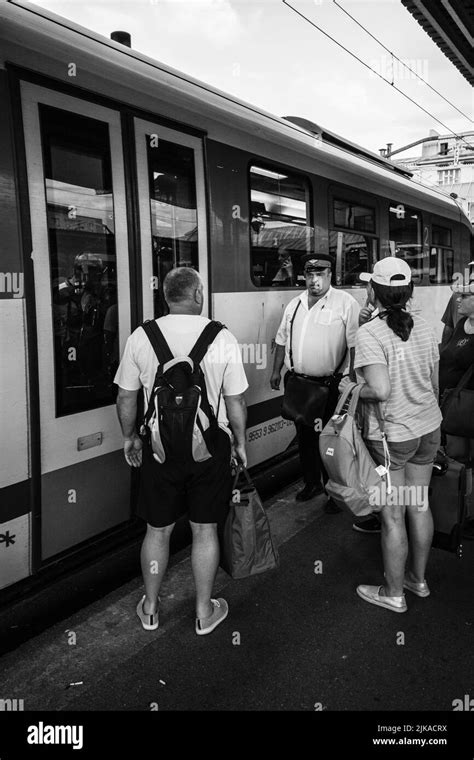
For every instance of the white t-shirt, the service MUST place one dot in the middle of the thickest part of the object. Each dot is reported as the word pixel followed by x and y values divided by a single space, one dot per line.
pixel 322 334
pixel 222 365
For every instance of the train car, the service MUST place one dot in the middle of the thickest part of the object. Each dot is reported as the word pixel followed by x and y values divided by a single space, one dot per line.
pixel 114 169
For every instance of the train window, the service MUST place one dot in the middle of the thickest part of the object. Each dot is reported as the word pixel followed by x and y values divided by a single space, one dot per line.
pixel 405 240
pixel 441 236
pixel 353 216
pixel 173 209
pixel 280 231
pixel 441 255
pixel 354 254
pixel 80 214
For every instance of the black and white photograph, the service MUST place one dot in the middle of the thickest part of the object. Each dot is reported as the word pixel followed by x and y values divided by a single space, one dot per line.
pixel 237 373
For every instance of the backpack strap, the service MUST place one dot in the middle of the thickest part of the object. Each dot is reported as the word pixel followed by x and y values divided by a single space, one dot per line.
pixel 157 340
pixel 208 335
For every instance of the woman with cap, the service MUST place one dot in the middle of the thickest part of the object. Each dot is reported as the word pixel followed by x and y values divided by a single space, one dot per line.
pixel 397 356
pixel 456 357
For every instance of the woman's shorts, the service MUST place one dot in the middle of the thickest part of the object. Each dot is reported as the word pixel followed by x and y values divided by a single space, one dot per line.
pixel 420 450
pixel 202 490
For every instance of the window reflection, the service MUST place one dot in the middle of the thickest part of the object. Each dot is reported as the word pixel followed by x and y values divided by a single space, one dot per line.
pixel 441 255
pixel 353 216
pixel 80 216
pixel 353 254
pixel 173 208
pixel 280 231
pixel 405 237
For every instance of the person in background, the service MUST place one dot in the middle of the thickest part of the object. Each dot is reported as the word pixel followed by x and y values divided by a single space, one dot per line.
pixel 324 328
pixel 397 356
pixel 451 314
pixel 170 489
pixel 456 356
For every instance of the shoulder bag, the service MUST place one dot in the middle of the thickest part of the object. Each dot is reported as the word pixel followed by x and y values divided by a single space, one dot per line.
pixel 457 408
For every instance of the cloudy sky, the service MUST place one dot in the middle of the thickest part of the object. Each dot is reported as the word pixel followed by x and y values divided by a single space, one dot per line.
pixel 264 53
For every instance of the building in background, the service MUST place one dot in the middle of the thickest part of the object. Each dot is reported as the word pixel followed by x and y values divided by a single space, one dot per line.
pixel 445 161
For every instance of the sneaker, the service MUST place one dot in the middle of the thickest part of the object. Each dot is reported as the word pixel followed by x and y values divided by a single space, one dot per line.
pixel 373 595
pixel 420 589
pixel 371 525
pixel 149 622
pixel 206 625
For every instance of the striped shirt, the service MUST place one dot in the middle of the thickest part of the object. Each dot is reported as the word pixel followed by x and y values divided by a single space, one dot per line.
pixel 412 409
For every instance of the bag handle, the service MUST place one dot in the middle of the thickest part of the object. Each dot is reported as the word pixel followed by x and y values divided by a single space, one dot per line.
pixel 241 469
pixel 344 396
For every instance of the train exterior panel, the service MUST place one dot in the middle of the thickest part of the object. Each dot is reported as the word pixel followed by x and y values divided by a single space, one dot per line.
pixel 114 168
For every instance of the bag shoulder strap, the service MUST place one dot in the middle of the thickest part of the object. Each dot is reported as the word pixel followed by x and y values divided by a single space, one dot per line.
pixel 290 352
pixel 354 391
pixel 157 340
pixel 464 379
pixel 343 397
pixel 208 335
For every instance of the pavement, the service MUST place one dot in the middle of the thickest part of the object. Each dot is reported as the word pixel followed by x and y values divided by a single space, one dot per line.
pixel 297 638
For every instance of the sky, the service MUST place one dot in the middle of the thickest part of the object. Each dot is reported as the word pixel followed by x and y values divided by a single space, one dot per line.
pixel 262 52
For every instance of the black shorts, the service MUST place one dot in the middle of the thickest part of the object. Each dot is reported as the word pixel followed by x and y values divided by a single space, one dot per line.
pixel 172 489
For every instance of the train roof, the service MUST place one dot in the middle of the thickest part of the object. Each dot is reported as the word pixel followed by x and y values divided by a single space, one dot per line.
pixel 34 30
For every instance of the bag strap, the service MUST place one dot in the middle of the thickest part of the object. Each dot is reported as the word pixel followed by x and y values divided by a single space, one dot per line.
pixel 355 394
pixel 157 340
pixel 241 470
pixel 464 380
pixel 290 352
pixel 355 391
pixel 208 335
pixel 343 397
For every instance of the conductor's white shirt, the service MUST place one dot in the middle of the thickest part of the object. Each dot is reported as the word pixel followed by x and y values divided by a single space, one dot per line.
pixel 322 334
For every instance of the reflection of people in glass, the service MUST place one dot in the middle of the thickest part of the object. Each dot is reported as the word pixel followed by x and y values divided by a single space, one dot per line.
pixel 284 276
pixel 111 340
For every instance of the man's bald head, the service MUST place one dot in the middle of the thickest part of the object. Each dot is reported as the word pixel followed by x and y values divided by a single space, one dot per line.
pixel 182 289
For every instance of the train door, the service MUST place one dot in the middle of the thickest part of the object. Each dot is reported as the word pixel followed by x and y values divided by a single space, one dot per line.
pixel 76 187
pixel 172 203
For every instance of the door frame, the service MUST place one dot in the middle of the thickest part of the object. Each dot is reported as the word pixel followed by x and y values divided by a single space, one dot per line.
pixel 58 437
pixel 142 128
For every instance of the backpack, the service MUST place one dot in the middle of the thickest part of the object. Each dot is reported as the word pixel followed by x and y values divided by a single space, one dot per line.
pixel 179 422
pixel 354 478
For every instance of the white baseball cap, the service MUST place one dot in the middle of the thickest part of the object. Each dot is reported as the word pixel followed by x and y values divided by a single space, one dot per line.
pixel 390 271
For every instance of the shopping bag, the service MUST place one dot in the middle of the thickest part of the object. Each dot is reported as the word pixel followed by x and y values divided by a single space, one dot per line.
pixel 247 547
pixel 355 480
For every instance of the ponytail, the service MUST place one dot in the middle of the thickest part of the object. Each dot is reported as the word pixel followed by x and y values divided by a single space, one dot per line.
pixel 394 301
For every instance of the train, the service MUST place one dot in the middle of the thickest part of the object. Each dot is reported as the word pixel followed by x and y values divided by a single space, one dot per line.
pixel 114 169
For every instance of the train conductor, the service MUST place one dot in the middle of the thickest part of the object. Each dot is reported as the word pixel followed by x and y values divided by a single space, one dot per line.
pixel 322 323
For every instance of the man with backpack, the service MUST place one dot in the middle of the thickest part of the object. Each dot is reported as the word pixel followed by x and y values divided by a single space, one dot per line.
pixel 193 383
